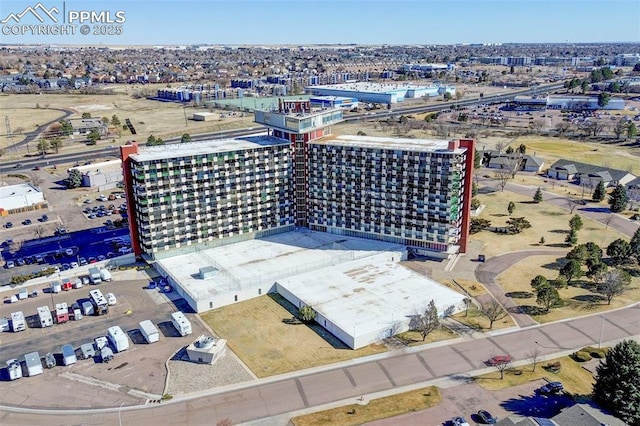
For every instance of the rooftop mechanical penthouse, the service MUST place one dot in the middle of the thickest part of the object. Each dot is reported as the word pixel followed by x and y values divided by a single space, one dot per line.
pixel 186 197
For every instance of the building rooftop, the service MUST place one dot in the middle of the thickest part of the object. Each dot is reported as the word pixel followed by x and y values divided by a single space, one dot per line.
pixel 160 152
pixel 424 145
pixel 368 87
pixel 369 294
pixel 261 262
pixel 19 190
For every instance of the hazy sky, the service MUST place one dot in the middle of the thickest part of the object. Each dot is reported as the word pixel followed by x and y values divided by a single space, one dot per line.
pixel 165 22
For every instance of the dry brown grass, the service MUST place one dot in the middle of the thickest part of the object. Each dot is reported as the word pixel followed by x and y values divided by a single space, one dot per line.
pixel 382 408
pixel 579 298
pixel 576 380
pixel 546 220
pixel 255 331
pixel 478 321
pixel 162 119
pixel 413 338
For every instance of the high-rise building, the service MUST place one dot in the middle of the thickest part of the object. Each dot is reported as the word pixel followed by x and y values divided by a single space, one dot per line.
pixel 413 192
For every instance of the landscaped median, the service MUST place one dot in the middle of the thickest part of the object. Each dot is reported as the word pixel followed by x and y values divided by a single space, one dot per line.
pixel 376 409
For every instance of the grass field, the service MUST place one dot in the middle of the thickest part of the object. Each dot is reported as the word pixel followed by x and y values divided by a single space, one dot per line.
pixel 255 330
pixel 576 380
pixel 579 298
pixel 382 408
pixel 607 155
pixel 546 220
pixel 162 119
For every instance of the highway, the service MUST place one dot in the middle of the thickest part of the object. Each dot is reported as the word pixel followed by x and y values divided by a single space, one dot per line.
pixel 113 151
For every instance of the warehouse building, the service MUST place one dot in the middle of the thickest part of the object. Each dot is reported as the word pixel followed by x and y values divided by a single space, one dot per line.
pixel 379 93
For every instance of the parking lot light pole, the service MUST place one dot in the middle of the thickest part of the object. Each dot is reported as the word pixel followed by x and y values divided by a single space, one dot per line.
pixel 601 332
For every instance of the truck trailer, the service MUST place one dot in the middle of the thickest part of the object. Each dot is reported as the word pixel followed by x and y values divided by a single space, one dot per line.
pixel 118 338
pixel 68 355
pixel 149 331
pixel 33 363
pixel 181 323
pixel 44 316
pixel 100 304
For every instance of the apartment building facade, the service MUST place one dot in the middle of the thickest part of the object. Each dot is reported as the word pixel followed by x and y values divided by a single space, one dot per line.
pixel 396 190
pixel 205 194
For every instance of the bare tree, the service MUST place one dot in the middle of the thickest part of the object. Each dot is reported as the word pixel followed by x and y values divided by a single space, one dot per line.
pixel 502 176
pixel 534 355
pixel 614 283
pixel 425 322
pixel 572 204
pixel 494 311
pixel 35 179
pixel 39 231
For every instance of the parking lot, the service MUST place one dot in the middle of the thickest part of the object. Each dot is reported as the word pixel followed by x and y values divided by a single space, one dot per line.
pixel 141 368
pixel 80 226
pixel 465 400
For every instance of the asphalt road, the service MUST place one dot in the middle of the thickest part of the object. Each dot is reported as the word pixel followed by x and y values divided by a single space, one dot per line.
pixel 389 372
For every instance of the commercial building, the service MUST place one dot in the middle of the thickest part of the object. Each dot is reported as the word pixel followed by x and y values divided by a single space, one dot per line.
pixel 104 175
pixel 22 197
pixel 379 93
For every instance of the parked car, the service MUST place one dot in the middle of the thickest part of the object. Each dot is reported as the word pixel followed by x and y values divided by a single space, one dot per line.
pixel 44 218
pixel 499 359
pixel 27 222
pixel 10 264
pixel 82 261
pixel 487 418
pixel 459 421
pixel 92 259
pixel 101 257
pixel 8 225
pixel 551 388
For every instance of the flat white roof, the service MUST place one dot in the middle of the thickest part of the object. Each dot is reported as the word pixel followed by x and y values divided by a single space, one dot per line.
pixel 424 145
pixel 369 294
pixel 102 167
pixel 159 152
pixel 366 87
pixel 19 190
pixel 263 261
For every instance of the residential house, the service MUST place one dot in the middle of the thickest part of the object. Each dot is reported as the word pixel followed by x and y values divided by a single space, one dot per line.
pixel 588 175
pixel 575 415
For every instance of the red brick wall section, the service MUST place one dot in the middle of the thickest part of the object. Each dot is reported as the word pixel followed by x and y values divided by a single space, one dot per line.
pixel 470 145
pixel 125 152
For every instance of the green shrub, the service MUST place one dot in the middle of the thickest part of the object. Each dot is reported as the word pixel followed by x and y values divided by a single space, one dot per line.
pixel 581 356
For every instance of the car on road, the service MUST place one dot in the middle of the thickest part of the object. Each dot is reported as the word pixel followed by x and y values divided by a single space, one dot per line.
pixel 552 388
pixel 18 166
pixel 111 299
pixel 8 225
pixel 27 222
pixel 486 417
pixel 44 218
pixel 459 421
pixel 499 359
pixel 9 264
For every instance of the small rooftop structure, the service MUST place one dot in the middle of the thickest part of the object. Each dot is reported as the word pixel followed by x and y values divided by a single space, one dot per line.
pixel 206 349
pixel 207 272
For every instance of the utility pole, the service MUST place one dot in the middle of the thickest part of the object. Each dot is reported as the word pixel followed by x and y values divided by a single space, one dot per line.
pixel 9 132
